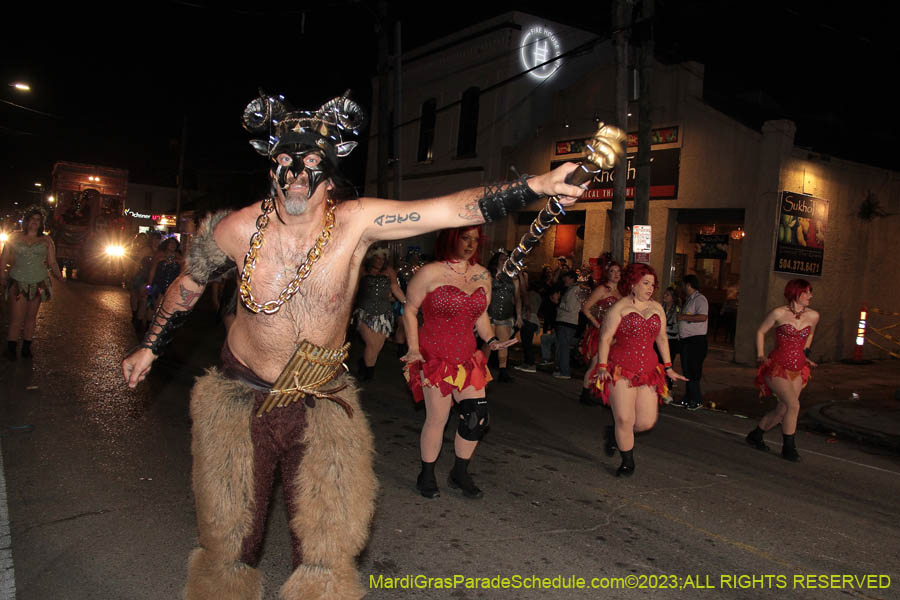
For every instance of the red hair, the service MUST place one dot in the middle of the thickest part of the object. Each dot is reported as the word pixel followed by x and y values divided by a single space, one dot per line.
pixel 795 287
pixel 445 246
pixel 604 277
pixel 634 273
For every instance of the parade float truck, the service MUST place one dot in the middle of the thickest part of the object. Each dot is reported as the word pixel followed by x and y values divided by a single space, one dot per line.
pixel 88 225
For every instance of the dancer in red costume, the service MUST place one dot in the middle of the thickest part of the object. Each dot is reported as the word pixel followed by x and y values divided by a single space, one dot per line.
pixel 628 372
pixel 444 364
pixel 594 308
pixel 786 370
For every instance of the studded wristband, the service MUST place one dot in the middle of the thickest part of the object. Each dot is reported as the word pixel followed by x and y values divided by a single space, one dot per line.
pixel 502 198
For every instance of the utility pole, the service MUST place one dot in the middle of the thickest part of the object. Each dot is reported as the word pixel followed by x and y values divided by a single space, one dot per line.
pixel 180 175
pixel 645 73
pixel 398 172
pixel 383 120
pixel 620 40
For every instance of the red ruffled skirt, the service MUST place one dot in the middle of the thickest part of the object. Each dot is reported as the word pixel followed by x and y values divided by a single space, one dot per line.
pixel 656 378
pixel 590 343
pixel 770 369
pixel 447 376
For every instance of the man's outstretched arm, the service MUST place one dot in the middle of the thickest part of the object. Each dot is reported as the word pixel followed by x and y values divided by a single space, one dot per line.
pixel 205 262
pixel 391 219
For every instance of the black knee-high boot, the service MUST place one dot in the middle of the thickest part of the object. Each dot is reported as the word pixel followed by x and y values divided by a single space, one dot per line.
pixel 11 350
pixel 626 469
pixel 789 449
pixel 26 348
pixel 426 482
pixel 459 478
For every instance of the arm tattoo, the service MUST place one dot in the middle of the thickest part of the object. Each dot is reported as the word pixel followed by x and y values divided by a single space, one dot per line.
pixel 187 297
pixel 382 220
pixel 470 211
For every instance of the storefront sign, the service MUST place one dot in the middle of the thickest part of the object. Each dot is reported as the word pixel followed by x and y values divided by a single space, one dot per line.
pixel 800 247
pixel 137 215
pixel 663 135
pixel 641 239
pixel 540 45
pixel 663 177
pixel 712 245
pixel 167 220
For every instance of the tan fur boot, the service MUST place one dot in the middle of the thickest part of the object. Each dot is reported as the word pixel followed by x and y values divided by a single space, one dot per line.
pixel 335 490
pixel 210 578
pixel 221 410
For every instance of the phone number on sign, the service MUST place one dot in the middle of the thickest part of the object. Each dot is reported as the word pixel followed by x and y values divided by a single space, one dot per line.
pixel 803 266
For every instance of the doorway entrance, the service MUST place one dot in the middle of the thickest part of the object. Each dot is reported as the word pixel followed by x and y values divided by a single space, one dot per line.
pixel 709 244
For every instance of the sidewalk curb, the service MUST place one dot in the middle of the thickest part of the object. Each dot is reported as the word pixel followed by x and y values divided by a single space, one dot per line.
pixel 863 434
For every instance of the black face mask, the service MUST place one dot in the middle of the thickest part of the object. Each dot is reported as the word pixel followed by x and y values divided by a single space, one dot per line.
pixel 315 175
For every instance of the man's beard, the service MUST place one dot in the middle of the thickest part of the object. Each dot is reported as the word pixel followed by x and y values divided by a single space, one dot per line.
pixel 295 204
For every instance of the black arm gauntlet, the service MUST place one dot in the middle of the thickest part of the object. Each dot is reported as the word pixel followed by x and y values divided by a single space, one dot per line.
pixel 502 198
pixel 162 329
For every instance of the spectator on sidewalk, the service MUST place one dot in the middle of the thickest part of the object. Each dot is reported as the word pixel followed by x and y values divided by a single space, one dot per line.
pixel 693 322
pixel 567 324
pixel 531 323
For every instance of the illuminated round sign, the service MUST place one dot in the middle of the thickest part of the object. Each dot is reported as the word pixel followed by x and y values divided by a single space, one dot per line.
pixel 539 47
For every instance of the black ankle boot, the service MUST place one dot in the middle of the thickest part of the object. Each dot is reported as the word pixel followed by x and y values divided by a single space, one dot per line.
pixel 609 440
pixel 426 482
pixel 26 348
pixel 587 398
pixel 789 449
pixel 11 350
pixel 460 479
pixel 363 373
pixel 755 439
pixel 626 469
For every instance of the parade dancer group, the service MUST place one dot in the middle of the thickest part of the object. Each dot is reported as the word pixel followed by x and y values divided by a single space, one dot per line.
pixel 281 396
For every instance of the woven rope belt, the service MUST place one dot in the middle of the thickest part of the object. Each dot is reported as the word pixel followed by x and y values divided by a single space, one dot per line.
pixel 311 367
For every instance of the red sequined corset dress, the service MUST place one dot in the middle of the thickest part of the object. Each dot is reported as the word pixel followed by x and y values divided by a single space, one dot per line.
pixel 787 359
pixel 447 342
pixel 631 356
pixel 591 339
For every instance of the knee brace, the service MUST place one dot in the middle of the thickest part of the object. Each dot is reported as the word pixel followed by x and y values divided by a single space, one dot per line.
pixel 474 419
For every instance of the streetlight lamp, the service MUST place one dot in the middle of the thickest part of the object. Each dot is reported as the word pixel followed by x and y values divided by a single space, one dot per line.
pixel 22 87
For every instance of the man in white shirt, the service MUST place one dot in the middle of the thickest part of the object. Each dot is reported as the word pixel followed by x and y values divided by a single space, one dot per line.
pixel 692 327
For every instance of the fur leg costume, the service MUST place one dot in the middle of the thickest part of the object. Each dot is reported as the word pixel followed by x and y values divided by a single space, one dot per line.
pixel 329 482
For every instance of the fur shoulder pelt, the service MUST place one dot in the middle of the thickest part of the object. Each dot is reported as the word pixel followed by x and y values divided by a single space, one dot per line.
pixel 205 260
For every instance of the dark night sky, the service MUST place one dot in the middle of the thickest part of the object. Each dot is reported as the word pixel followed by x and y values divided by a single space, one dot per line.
pixel 113 88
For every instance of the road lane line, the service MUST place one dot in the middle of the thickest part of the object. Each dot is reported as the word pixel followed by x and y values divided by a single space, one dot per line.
pixel 805 451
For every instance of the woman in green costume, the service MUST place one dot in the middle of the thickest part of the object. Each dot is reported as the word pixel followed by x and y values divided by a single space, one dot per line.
pixel 31 258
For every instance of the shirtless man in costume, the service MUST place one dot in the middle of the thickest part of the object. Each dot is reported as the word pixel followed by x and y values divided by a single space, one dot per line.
pixel 281 393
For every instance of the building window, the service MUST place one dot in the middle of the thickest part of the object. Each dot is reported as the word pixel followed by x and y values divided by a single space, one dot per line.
pixel 468 123
pixel 426 131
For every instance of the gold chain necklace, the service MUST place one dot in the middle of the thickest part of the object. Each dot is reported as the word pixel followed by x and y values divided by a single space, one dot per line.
pixel 303 271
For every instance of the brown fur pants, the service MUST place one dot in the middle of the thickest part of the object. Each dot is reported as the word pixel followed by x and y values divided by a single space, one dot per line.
pixel 326 462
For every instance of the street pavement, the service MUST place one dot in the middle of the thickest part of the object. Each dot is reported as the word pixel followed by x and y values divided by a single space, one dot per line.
pixel 100 506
